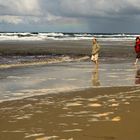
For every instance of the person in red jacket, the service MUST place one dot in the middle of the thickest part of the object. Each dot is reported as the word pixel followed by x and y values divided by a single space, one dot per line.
pixel 137 49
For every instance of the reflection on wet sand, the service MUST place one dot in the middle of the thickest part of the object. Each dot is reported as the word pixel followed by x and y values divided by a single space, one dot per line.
pixel 137 77
pixel 95 76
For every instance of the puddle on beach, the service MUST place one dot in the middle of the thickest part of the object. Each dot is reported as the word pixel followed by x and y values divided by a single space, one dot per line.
pixel 18 83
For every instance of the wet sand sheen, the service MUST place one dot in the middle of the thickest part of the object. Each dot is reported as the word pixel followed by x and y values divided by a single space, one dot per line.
pixel 92 114
pixel 109 111
pixel 62 77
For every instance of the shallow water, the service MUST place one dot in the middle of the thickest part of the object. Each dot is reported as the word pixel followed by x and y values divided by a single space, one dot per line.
pixel 20 82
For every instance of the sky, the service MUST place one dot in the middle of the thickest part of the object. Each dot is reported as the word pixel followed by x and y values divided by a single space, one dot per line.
pixel 96 16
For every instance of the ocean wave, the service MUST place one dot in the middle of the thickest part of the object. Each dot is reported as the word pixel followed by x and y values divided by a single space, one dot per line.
pixel 21 61
pixel 35 36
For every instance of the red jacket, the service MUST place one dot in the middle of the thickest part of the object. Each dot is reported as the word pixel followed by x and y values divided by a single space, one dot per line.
pixel 137 47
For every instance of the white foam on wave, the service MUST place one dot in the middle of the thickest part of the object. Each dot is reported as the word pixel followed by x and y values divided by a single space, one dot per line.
pixel 14 77
pixel 65 36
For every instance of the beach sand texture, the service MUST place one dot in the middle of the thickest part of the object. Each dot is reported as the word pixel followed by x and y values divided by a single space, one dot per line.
pixel 92 114
pixel 71 100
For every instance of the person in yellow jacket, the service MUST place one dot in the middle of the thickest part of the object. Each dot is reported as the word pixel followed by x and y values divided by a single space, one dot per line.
pixel 95 51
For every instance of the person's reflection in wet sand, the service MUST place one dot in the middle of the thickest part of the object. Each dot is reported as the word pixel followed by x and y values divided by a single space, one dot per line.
pixel 95 76
pixel 137 77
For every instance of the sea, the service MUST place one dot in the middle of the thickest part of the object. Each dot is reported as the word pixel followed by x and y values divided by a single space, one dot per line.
pixel 60 38
pixel 42 36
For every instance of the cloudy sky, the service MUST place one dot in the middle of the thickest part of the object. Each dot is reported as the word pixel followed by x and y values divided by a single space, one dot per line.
pixel 70 15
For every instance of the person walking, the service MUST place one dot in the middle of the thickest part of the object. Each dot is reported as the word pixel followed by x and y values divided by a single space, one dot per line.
pixel 95 51
pixel 137 49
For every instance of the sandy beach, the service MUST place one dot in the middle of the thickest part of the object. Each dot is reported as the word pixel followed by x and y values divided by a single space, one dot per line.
pixel 52 84
pixel 72 99
pixel 93 114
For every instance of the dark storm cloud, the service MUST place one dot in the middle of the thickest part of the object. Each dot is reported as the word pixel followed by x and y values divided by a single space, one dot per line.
pixel 97 14
pixel 92 8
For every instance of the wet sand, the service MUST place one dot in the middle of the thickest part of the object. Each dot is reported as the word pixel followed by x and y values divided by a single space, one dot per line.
pixel 66 47
pixel 94 114
pixel 71 100
pixel 95 104
pixel 26 81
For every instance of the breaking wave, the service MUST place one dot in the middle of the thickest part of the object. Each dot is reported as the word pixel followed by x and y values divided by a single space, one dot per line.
pixel 37 36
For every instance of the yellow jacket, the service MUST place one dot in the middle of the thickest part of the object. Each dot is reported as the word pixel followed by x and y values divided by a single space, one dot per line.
pixel 95 48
